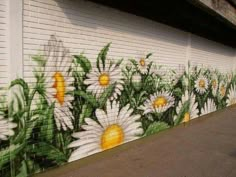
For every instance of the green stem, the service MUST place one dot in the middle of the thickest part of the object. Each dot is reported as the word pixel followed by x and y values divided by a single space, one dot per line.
pixel 30 102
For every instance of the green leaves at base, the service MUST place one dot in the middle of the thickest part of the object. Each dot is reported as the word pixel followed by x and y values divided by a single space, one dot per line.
pixel 156 127
pixel 23 170
pixel 50 151
pixel 9 153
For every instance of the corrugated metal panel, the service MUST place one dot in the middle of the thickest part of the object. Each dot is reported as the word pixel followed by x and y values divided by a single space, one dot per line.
pixel 212 54
pixel 87 27
pixel 4 63
pixel 3 43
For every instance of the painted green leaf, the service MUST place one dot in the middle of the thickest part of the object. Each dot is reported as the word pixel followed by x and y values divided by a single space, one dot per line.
pixel 177 92
pixel 84 62
pixel 183 110
pixel 50 151
pixel 87 96
pixel 106 94
pixel 9 153
pixel 47 129
pixel 148 55
pixel 102 56
pixel 156 127
pixel 24 85
pixel 23 170
pixel 86 112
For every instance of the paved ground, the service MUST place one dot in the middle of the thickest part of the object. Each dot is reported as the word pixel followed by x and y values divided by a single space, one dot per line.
pixel 204 148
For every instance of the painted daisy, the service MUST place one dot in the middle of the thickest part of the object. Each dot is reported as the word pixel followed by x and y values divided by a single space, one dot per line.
pixel 231 97
pixel 114 127
pixel 222 89
pixel 143 64
pixel 158 102
pixel 192 112
pixel 58 81
pixel 6 126
pixel 209 107
pixel 201 84
pixel 98 81
pixel 214 85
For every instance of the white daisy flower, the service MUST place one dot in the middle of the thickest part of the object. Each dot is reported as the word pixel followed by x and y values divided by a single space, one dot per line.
pixel 231 97
pixel 98 81
pixel 222 89
pixel 58 81
pixel 201 84
pixel 114 127
pixel 143 64
pixel 6 126
pixel 209 107
pixel 192 112
pixel 214 85
pixel 158 102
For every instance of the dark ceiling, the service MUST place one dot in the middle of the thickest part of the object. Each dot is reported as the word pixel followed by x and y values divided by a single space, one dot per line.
pixel 183 14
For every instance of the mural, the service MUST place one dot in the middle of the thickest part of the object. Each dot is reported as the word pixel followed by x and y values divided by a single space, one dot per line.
pixel 76 108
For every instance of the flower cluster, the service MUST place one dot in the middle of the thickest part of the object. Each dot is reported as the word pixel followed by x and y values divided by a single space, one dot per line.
pixel 77 107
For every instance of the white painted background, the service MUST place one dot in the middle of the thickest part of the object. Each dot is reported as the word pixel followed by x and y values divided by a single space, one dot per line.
pixel 87 27
pixel 4 50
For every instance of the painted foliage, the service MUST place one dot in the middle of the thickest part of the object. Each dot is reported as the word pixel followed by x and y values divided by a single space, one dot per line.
pixel 77 107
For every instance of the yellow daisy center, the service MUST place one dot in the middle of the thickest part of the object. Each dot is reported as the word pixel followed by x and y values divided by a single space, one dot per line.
pixel 214 84
pixel 222 90
pixel 112 136
pixel 60 87
pixel 142 62
pixel 186 117
pixel 104 79
pixel 159 102
pixel 202 83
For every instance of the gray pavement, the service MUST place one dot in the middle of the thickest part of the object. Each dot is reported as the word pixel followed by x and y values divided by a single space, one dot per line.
pixel 206 147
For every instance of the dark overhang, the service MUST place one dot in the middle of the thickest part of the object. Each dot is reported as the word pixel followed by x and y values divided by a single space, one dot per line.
pixel 188 15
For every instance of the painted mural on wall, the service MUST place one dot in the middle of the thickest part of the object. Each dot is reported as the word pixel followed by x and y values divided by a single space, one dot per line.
pixel 76 108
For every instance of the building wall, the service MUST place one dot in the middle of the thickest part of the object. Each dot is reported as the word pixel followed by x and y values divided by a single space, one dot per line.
pixel 60 111
pixel 3 43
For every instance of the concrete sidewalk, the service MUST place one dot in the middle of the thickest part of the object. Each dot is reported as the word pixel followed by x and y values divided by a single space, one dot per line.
pixel 206 147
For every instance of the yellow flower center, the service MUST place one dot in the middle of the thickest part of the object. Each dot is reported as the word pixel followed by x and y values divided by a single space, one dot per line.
pixel 222 90
pixel 112 136
pixel 60 87
pixel 202 83
pixel 142 62
pixel 104 79
pixel 159 102
pixel 186 117
pixel 214 84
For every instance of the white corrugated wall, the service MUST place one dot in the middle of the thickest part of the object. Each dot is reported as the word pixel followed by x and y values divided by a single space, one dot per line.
pixel 87 27
pixel 211 54
pixel 4 58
